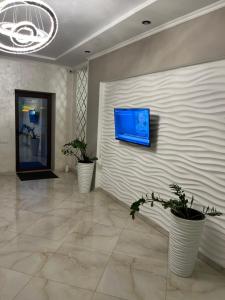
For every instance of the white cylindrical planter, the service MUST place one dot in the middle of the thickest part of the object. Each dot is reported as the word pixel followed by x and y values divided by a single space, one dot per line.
pixel 185 236
pixel 85 174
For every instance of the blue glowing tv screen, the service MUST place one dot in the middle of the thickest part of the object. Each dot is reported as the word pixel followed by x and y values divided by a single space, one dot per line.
pixel 133 125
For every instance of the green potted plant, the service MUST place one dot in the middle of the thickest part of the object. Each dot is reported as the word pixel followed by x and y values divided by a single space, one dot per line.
pixel 85 167
pixel 185 228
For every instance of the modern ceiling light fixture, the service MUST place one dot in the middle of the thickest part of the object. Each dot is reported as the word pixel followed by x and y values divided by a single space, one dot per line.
pixel 26 26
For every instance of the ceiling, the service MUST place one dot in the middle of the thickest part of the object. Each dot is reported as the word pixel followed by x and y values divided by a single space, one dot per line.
pixel 97 25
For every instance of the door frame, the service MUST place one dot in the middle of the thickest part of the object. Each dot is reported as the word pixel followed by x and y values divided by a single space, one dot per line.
pixel 33 94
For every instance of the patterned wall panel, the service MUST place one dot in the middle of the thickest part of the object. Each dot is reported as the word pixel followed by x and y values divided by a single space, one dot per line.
pixel 81 102
pixel 188 143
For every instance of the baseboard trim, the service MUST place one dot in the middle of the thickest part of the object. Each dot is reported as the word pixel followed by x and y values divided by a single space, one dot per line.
pixel 156 226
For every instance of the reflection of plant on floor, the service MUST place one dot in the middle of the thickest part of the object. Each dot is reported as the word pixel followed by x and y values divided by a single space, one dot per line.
pixel 180 207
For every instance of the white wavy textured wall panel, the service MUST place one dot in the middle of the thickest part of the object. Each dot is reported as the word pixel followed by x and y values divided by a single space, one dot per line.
pixel 188 133
pixel 32 76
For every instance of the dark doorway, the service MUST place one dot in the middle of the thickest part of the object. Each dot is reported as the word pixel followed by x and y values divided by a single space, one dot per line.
pixel 33 131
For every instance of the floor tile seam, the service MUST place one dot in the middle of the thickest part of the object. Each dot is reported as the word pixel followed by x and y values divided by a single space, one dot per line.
pixel 40 237
pixel 55 227
pixel 60 282
pixel 50 252
pixel 111 296
pixel 73 231
pixel 27 210
pixel 144 258
pixel 84 248
pixel 24 285
pixel 47 214
pixel 151 248
pixel 96 223
pixel 8 206
pixel 127 207
pixel 132 256
pixel 141 256
pixel 121 228
pixel 121 233
pixel 148 234
pixel 8 242
pixel 41 214
pixel 166 280
pixel 99 251
pixel 70 256
pixel 55 240
pixel 13 270
pixel 100 278
pixel 24 230
pixel 107 262
pixel 93 235
pixel 144 231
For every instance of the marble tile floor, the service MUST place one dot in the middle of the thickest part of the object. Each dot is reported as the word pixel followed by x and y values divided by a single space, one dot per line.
pixel 60 245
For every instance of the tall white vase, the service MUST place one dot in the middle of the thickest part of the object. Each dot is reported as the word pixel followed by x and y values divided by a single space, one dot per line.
pixel 185 236
pixel 85 174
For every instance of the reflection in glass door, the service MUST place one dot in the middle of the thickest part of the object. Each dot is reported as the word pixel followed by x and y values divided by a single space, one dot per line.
pixel 33 131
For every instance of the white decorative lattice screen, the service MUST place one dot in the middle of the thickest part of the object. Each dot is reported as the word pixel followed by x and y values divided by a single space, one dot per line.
pixel 81 102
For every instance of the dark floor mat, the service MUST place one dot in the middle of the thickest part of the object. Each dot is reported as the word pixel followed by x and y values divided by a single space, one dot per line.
pixel 36 175
pixel 27 166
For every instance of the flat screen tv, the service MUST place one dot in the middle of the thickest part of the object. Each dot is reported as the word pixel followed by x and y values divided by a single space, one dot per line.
pixel 132 125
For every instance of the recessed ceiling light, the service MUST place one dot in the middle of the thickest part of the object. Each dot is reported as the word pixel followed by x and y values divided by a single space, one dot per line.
pixel 146 22
pixel 87 51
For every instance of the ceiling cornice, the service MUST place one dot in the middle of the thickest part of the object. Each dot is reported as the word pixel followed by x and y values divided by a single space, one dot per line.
pixel 173 23
pixel 109 26
pixel 193 15
pixel 42 57
pixel 80 66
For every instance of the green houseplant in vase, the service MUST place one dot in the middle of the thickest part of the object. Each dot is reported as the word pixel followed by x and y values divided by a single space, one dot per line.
pixel 185 229
pixel 85 166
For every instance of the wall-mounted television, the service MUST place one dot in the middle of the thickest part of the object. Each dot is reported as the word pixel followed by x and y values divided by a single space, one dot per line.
pixel 133 125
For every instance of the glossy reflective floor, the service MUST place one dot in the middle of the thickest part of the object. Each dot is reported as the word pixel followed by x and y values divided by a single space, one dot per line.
pixel 57 244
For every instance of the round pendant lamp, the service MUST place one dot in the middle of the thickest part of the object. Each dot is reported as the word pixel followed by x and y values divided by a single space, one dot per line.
pixel 26 26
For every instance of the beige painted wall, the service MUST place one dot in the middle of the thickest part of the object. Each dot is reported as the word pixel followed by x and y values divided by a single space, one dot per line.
pixel 197 41
pixel 33 76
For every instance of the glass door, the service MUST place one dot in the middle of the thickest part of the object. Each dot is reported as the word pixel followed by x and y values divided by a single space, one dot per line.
pixel 33 131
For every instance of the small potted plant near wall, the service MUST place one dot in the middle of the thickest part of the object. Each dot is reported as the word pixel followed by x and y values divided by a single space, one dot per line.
pixel 185 228
pixel 85 167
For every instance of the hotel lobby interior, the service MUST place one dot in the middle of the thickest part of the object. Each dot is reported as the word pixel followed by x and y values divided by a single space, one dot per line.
pixel 112 150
